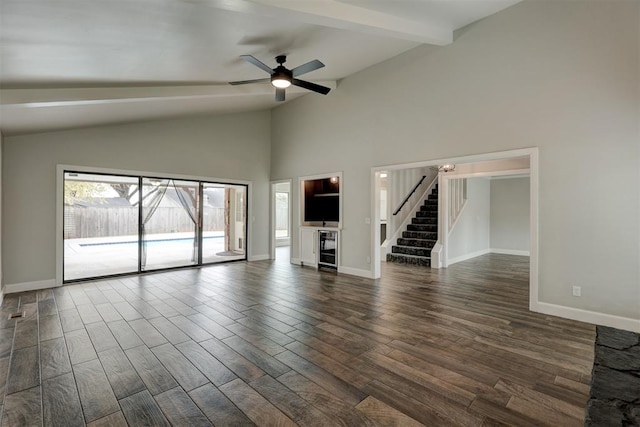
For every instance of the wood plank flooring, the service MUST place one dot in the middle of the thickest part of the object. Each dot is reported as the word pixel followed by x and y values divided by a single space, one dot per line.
pixel 269 343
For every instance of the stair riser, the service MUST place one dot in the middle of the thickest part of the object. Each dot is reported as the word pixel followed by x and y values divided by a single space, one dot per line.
pixel 399 259
pixel 420 235
pixel 421 227
pixel 417 243
pixel 429 208
pixel 427 214
pixel 411 251
pixel 425 221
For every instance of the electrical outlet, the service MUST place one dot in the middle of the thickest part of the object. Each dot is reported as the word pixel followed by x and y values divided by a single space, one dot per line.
pixel 577 291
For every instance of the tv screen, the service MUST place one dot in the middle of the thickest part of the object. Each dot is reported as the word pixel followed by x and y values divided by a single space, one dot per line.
pixel 322 208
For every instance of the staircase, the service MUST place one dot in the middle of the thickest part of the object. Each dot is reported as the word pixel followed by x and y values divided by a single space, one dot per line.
pixel 414 247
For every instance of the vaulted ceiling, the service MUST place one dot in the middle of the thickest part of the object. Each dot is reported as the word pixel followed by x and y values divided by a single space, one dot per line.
pixel 75 63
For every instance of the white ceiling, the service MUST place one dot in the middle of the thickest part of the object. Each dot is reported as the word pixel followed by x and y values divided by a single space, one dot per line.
pixel 74 63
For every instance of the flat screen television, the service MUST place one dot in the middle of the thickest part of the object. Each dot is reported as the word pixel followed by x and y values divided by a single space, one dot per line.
pixel 322 201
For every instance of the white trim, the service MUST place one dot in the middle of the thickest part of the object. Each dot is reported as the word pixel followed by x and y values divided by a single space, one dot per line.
pixel 468 256
pixel 355 272
pixel 1 295
pixel 509 252
pixel 594 317
pixel 30 286
pixel 261 257
pixel 474 158
pixel 504 174
pixel 60 169
pixel 295 261
pixel 533 226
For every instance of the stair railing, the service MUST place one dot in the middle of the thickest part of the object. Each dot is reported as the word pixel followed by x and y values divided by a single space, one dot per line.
pixel 457 199
pixel 406 199
pixel 399 228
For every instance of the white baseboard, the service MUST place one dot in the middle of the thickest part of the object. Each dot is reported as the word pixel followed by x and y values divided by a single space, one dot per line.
pixel 30 286
pixel 626 323
pixel 261 257
pixel 467 256
pixel 509 252
pixel 355 272
pixel 295 261
pixel 1 295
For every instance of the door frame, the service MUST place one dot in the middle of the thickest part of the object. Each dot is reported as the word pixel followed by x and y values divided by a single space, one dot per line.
pixel 59 229
pixel 532 153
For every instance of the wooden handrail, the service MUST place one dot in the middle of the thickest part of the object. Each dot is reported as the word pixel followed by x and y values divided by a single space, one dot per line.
pixel 406 199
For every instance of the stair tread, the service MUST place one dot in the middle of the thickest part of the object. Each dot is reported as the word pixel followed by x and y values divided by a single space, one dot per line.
pixel 411 256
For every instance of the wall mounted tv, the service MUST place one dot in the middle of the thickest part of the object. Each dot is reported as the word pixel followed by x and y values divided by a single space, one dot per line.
pixel 321 198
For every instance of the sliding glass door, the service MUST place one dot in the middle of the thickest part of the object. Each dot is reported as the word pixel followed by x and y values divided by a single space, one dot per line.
pixel 130 224
pixel 224 222
pixel 100 225
pixel 170 212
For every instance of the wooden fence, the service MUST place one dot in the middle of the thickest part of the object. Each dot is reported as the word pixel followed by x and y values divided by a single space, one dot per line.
pixel 80 222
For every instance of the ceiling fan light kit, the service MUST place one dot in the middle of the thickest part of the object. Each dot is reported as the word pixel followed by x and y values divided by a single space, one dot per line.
pixel 282 77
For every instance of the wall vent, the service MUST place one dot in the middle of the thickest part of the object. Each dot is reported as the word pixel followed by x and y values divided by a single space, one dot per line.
pixel 17 315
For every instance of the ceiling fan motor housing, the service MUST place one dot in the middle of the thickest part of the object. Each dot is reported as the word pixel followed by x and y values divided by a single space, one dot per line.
pixel 281 73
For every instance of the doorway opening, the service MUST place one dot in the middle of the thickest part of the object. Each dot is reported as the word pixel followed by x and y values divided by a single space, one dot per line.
pixel 281 202
pixel 485 169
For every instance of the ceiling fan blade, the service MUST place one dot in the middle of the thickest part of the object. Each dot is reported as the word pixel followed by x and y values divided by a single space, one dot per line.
pixel 244 82
pixel 311 86
pixel 257 63
pixel 307 68
pixel 279 95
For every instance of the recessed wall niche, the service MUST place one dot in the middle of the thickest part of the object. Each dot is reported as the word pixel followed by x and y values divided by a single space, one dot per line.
pixel 321 201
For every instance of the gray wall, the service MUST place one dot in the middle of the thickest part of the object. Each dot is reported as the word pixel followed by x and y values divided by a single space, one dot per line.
pixel 229 147
pixel 510 214
pixel 562 76
pixel 1 228
pixel 470 233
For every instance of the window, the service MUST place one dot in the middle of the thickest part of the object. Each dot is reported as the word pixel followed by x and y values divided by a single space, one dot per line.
pixel 282 215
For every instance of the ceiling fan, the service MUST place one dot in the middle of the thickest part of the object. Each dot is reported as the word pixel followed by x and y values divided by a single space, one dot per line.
pixel 281 77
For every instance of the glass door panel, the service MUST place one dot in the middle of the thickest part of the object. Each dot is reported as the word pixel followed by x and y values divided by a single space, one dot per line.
pixel 169 223
pixel 224 222
pixel 100 225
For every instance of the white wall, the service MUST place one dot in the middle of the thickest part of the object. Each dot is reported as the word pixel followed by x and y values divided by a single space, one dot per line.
pixel 1 225
pixel 562 76
pixel 510 215
pixel 229 147
pixel 469 237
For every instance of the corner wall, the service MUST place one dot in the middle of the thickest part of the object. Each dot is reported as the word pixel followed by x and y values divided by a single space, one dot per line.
pixel 560 76
pixel 470 235
pixel 228 147
pixel 510 216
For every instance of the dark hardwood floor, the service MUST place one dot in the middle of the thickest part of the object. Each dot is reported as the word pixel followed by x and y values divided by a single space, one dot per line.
pixel 272 344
